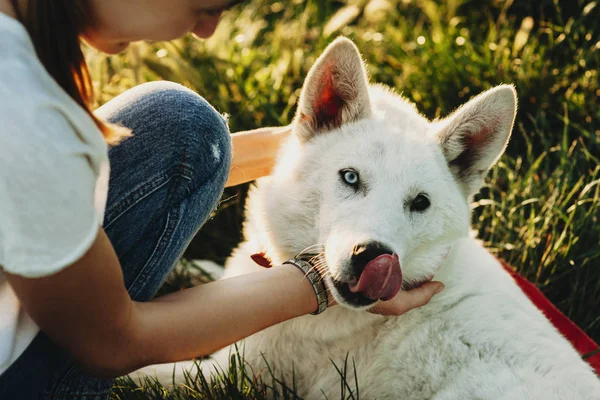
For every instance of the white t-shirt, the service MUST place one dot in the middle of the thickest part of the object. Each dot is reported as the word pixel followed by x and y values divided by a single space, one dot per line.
pixel 53 180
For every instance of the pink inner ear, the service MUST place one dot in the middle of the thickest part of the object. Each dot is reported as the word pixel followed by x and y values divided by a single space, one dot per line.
pixel 327 105
pixel 483 136
pixel 479 138
pixel 328 102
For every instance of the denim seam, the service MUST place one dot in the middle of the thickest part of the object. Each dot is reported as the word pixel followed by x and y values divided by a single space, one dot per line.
pixel 137 195
pixel 130 199
pixel 163 241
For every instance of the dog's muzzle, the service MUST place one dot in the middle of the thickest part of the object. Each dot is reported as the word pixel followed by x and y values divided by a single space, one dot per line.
pixel 376 275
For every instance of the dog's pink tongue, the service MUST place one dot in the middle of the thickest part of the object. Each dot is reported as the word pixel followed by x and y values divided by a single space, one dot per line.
pixel 381 278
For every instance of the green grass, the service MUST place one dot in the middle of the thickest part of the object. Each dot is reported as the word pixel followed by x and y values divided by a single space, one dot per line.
pixel 540 208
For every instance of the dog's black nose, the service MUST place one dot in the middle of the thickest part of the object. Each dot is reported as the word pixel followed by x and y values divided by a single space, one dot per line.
pixel 364 252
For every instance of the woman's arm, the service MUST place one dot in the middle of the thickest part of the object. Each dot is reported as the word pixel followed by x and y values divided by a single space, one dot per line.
pixel 86 310
pixel 254 153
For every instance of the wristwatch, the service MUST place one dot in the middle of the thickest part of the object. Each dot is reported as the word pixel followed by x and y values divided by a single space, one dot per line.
pixel 304 261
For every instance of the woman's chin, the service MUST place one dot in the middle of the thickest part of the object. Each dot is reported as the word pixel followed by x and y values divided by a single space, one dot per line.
pixel 205 27
pixel 116 48
pixel 109 47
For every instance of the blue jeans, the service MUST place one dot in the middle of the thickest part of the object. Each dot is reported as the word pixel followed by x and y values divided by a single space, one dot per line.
pixel 165 181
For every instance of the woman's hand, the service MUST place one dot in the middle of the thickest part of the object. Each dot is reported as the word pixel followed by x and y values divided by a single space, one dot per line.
pixel 254 153
pixel 404 300
pixel 407 300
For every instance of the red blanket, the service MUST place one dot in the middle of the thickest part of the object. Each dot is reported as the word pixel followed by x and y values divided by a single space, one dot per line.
pixel 582 342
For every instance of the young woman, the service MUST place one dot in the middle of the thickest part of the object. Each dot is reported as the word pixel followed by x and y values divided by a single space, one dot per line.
pixel 89 232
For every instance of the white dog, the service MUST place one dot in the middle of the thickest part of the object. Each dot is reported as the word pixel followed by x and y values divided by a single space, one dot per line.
pixel 367 177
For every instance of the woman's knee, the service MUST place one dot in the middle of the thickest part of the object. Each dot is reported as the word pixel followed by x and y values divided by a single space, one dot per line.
pixel 197 132
pixel 180 125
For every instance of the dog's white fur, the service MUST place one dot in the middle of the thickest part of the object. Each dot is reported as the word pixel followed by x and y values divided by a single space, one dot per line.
pixel 481 337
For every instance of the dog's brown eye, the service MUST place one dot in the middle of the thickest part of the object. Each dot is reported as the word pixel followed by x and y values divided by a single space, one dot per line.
pixel 420 203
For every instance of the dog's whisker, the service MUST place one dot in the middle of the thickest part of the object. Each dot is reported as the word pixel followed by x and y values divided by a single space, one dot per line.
pixel 336 277
pixel 314 246
pixel 309 271
pixel 319 257
pixel 309 249
pixel 322 269
pixel 320 263
pixel 321 272
pixel 317 268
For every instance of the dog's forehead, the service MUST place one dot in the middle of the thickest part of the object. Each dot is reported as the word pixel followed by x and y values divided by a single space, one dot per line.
pixel 383 138
pixel 405 156
pixel 396 140
pixel 386 156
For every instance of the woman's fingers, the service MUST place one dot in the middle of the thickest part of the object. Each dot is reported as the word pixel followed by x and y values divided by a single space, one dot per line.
pixel 407 300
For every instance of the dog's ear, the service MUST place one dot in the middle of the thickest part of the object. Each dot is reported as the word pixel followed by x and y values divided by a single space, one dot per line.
pixel 475 135
pixel 334 92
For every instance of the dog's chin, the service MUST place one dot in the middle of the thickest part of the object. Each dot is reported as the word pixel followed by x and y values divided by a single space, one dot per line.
pixel 412 282
pixel 344 296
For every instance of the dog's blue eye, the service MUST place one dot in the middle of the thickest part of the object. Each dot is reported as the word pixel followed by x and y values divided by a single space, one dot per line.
pixel 349 177
pixel 420 203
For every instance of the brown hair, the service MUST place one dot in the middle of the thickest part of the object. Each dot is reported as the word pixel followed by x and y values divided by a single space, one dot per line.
pixel 55 27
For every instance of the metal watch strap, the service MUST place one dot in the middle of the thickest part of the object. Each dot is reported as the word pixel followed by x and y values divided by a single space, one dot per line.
pixel 315 279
